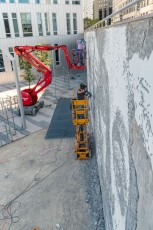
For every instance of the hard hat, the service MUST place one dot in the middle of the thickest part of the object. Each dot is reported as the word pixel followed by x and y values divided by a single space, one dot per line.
pixel 83 86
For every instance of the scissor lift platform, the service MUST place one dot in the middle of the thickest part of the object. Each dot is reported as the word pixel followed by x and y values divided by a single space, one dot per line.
pixel 80 112
pixel 80 118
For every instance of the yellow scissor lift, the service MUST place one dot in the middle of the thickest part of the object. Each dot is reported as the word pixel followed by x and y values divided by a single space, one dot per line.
pixel 80 118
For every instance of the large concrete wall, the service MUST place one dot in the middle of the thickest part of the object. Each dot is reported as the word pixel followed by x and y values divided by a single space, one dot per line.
pixel 120 78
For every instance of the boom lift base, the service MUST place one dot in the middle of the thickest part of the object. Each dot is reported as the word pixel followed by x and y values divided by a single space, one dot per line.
pixel 31 110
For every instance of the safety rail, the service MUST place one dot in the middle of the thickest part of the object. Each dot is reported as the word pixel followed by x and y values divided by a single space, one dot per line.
pixel 103 22
pixel 8 130
pixel 14 63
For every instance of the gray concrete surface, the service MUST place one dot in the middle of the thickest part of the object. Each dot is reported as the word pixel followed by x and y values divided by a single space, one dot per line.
pixel 51 183
pixel 120 79
pixel 42 184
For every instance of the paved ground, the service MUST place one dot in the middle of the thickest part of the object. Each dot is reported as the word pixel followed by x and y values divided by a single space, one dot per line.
pixel 49 185
pixel 41 182
pixel 61 87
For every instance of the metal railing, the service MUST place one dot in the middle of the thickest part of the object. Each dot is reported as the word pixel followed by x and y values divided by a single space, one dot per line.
pixel 103 22
pixel 13 60
pixel 8 106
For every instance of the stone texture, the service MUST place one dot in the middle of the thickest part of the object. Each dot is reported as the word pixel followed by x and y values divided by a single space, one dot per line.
pixel 120 79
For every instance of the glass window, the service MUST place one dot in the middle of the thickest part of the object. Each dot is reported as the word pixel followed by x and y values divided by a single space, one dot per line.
pixel 76 2
pixel 26 24
pixel 15 24
pixel 47 23
pixel 39 21
pixel 12 1
pixel 47 1
pixel 57 58
pixel 37 1
pixel 67 2
pixel 2 69
pixel 54 24
pixel 6 24
pixel 23 1
pixel 2 1
pixel 75 23
pixel 12 53
pixel 68 23
pixel 55 2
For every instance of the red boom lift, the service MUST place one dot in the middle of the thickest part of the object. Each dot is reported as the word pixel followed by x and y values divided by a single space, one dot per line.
pixel 29 96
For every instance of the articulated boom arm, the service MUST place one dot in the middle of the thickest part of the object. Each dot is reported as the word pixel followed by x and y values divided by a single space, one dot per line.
pixel 26 53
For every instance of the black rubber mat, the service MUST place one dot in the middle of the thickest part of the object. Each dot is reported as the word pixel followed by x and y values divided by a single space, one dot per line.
pixel 61 125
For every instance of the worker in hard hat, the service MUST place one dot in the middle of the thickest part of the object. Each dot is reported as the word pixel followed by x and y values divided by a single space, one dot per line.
pixel 82 92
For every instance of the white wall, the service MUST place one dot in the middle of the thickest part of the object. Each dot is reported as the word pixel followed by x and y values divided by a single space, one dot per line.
pixel 120 66
pixel 62 38
pixel 59 9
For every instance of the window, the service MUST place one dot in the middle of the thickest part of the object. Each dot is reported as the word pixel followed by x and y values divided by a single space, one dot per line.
pixel 6 24
pixel 12 53
pixel 100 14
pixel 2 1
pixel 54 24
pixel 47 1
pixel 15 25
pixel 76 2
pixel 57 58
pixel 47 23
pixel 68 23
pixel 75 23
pixel 2 69
pixel 23 1
pixel 37 1
pixel 138 6
pixel 12 1
pixel 105 12
pixel 55 2
pixel 39 21
pixel 26 24
pixel 67 2
pixel 110 10
pixel 121 17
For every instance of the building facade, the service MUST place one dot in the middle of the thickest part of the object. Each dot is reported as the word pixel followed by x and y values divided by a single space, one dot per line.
pixel 102 8
pixel 32 22
pixel 88 9
pixel 143 8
